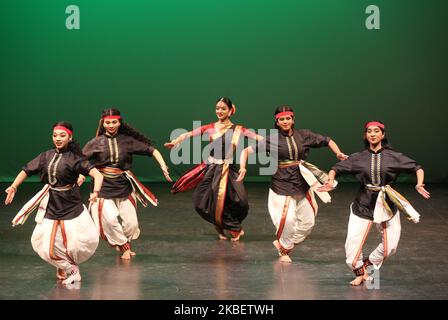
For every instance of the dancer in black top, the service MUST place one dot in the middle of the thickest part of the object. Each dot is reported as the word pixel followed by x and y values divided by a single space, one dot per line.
pixel 376 167
pixel 291 203
pixel 218 197
pixel 111 152
pixel 65 234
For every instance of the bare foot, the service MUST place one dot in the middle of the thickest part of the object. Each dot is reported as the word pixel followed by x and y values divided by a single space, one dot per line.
pixel 237 238
pixel 221 236
pixel 133 254
pixel 60 274
pixel 357 281
pixel 285 259
pixel 126 255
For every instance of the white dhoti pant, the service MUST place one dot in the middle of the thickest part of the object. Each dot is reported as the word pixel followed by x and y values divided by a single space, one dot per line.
pixel 358 229
pixel 293 218
pixel 106 214
pixel 66 243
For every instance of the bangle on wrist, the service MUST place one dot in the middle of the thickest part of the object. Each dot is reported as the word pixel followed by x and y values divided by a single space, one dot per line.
pixel 15 189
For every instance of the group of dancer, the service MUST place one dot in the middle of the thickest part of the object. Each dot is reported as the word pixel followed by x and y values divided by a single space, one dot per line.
pixel 67 233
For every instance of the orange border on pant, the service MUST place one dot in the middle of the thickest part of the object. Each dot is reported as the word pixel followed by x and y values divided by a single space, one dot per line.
pixel 362 244
pixel 54 230
pixel 222 190
pixel 134 203
pixel 100 216
pixel 283 218
pixel 310 200
pixel 65 242
pixel 52 239
pixel 384 225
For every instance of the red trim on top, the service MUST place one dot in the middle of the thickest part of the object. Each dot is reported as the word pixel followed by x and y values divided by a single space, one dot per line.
pixel 284 114
pixel 202 129
pixel 63 129
pixel 248 133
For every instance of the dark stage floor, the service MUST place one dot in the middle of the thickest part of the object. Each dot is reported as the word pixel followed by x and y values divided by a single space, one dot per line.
pixel 180 257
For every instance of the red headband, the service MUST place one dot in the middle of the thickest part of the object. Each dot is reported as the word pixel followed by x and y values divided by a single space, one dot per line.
pixel 284 114
pixel 63 129
pixel 375 123
pixel 111 117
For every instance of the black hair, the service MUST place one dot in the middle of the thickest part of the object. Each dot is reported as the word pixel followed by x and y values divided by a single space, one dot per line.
pixel 73 145
pixel 124 127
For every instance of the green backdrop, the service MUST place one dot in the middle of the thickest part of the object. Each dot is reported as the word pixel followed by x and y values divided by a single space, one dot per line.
pixel 165 62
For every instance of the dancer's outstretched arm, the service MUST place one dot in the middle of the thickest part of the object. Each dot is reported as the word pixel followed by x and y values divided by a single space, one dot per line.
pixel 339 154
pixel 12 189
pixel 158 156
pixel 420 185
